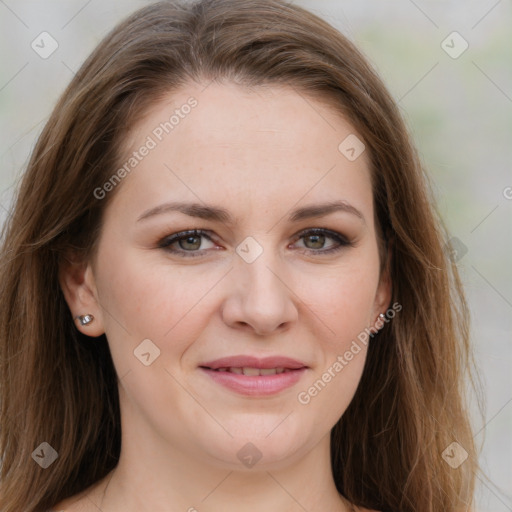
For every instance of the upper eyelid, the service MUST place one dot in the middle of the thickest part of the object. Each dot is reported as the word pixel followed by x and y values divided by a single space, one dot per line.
pixel 179 235
pixel 330 232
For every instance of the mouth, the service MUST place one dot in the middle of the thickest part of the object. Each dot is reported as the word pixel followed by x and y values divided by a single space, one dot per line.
pixel 252 372
pixel 250 376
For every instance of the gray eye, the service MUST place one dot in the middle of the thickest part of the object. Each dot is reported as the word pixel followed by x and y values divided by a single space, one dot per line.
pixel 317 241
pixel 192 242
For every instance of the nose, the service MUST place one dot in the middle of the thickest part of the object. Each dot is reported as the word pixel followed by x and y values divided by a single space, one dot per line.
pixel 259 298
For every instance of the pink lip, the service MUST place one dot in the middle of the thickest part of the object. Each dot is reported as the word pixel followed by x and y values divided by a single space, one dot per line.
pixel 260 385
pixel 254 362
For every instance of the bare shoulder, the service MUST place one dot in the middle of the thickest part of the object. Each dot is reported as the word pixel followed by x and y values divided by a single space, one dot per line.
pixel 84 501
pixel 79 503
pixel 73 504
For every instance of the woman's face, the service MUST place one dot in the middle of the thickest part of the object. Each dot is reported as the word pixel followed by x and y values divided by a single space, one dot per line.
pixel 274 276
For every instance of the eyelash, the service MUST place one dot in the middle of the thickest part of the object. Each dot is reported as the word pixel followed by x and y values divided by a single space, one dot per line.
pixel 166 242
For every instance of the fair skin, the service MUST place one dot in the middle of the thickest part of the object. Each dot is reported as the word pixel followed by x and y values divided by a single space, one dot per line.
pixel 259 154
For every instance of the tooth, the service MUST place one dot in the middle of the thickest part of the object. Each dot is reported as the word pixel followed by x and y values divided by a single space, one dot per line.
pixel 222 369
pixel 252 372
pixel 236 370
pixel 268 371
pixel 279 370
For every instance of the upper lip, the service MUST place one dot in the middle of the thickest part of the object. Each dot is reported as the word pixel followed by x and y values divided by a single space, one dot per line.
pixel 254 362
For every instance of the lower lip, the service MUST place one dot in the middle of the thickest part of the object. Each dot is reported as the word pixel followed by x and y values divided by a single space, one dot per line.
pixel 260 385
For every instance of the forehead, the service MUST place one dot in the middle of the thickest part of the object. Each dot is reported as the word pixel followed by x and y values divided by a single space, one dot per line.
pixel 221 142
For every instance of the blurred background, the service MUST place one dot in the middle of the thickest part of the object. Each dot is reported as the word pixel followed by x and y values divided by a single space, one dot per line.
pixel 448 64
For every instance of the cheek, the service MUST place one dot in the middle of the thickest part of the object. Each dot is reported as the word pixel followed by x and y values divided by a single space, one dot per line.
pixel 343 300
pixel 343 303
pixel 342 297
pixel 330 393
pixel 142 300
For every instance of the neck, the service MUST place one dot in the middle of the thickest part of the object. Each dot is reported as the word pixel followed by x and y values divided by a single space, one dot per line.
pixel 156 474
pixel 160 478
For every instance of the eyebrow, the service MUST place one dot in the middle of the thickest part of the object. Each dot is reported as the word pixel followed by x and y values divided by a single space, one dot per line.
pixel 221 215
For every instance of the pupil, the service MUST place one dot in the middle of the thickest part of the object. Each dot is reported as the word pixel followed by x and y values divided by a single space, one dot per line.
pixel 318 240
pixel 190 239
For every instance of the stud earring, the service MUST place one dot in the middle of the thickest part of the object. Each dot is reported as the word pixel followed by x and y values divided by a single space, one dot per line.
pixel 85 319
pixel 380 319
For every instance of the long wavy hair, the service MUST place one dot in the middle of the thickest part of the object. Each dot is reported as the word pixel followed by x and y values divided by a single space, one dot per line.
pixel 58 387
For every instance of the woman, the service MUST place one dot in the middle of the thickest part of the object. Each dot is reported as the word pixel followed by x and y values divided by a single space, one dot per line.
pixel 224 283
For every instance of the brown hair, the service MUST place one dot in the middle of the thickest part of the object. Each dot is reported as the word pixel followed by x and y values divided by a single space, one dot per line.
pixel 58 387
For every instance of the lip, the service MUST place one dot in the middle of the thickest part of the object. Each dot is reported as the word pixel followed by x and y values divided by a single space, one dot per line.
pixel 261 385
pixel 254 362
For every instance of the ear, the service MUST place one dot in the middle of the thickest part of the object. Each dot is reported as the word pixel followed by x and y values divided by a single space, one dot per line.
pixel 76 280
pixel 384 289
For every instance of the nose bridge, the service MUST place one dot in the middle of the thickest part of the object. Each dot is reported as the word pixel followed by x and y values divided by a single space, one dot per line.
pixel 262 300
pixel 258 268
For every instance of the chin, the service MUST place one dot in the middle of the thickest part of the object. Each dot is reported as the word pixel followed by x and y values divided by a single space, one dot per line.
pixel 259 450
